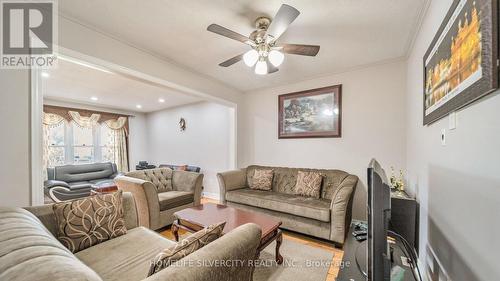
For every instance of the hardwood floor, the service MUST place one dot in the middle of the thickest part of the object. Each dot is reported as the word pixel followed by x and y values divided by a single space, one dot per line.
pixel 303 239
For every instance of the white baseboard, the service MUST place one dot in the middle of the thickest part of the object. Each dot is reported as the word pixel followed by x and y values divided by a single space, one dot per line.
pixel 211 195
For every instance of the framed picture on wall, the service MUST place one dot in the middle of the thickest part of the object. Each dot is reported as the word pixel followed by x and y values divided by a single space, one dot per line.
pixel 460 65
pixel 313 113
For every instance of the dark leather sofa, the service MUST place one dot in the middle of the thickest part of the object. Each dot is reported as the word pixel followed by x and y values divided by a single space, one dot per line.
pixel 75 181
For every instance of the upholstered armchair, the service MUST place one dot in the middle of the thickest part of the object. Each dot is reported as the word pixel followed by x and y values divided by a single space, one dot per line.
pixel 161 192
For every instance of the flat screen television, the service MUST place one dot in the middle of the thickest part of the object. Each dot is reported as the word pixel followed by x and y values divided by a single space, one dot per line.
pixel 379 215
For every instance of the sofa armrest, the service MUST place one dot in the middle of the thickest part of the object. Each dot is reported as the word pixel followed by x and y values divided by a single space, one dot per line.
pixel 231 180
pixel 146 199
pixel 51 183
pixel 129 211
pixel 116 174
pixel 341 209
pixel 238 247
pixel 188 181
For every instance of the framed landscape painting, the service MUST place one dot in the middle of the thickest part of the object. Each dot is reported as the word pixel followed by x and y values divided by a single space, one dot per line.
pixel 313 113
pixel 460 65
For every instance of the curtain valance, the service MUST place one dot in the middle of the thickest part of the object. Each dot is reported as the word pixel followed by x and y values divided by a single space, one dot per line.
pixel 53 115
pixel 84 122
pixel 52 120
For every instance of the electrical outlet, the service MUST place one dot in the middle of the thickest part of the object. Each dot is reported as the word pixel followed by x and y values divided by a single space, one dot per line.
pixel 443 137
pixel 453 120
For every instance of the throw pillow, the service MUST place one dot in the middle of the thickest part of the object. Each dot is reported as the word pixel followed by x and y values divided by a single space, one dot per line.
pixel 262 179
pixel 86 222
pixel 185 247
pixel 308 184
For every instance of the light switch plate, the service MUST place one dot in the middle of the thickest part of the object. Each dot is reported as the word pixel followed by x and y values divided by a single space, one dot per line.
pixel 443 137
pixel 453 120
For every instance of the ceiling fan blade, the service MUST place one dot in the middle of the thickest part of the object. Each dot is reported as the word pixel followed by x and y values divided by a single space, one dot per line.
pixel 271 68
pixel 215 28
pixel 299 49
pixel 231 61
pixel 284 17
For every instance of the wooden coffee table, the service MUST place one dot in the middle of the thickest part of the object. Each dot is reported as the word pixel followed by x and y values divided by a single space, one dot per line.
pixel 196 218
pixel 103 188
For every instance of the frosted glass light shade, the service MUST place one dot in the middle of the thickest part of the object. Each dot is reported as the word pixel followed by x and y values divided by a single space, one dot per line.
pixel 250 57
pixel 261 67
pixel 276 57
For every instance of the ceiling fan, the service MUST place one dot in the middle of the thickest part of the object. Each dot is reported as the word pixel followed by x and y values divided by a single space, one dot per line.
pixel 266 54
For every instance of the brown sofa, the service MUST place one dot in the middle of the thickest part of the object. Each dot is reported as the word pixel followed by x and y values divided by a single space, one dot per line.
pixel 30 251
pixel 328 217
pixel 160 193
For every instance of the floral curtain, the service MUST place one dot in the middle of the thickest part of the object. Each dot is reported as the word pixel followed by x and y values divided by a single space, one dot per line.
pixel 119 140
pixel 49 121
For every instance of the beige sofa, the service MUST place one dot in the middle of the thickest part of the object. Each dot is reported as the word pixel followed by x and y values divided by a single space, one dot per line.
pixel 160 193
pixel 328 217
pixel 30 251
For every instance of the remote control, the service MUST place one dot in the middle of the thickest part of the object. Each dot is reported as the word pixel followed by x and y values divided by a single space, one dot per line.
pixel 359 232
pixel 361 237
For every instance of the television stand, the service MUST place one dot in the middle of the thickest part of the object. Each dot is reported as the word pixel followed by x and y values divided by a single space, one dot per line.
pixel 349 269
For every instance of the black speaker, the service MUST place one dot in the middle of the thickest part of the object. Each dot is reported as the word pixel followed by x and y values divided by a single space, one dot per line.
pixel 405 217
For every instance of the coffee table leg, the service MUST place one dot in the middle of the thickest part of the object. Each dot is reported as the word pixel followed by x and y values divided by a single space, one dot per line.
pixel 279 240
pixel 175 230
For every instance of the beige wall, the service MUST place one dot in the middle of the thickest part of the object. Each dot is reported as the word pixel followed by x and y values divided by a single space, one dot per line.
pixel 458 185
pixel 373 125
pixel 14 144
pixel 205 143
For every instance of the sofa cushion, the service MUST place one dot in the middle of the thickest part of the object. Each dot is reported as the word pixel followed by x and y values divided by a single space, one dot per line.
pixel 89 221
pixel 84 172
pixel 284 179
pixel 28 251
pixel 160 177
pixel 308 207
pixel 102 181
pixel 127 257
pixel 185 247
pixel 172 199
pixel 80 185
pixel 308 184
pixel 262 179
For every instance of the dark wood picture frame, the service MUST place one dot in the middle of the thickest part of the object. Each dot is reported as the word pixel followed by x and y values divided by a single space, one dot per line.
pixel 488 16
pixel 336 91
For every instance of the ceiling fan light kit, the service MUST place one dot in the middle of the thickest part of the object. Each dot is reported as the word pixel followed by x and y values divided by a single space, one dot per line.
pixel 266 54
pixel 251 57
pixel 261 67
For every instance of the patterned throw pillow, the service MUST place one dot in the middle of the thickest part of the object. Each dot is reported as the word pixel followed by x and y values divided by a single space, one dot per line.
pixel 185 247
pixel 308 184
pixel 262 179
pixel 86 222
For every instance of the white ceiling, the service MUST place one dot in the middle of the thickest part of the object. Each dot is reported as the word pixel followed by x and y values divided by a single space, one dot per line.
pixel 71 82
pixel 351 33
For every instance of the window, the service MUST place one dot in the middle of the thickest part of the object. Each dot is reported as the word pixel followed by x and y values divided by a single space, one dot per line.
pixel 72 144
pixel 83 145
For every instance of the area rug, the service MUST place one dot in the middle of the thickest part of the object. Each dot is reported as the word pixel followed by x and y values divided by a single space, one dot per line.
pixel 301 262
